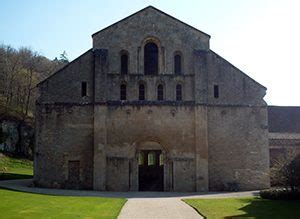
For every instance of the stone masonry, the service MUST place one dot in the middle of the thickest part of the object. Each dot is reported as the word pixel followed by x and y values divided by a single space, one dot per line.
pixel 211 134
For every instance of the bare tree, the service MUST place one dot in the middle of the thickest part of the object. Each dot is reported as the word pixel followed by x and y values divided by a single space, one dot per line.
pixel 286 170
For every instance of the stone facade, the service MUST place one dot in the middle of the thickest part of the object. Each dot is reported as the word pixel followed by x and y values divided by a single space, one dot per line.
pixel 214 137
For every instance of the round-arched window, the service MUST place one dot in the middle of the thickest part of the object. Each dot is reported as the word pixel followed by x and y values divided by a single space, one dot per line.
pixel 141 92
pixel 160 92
pixel 177 64
pixel 151 59
pixel 178 92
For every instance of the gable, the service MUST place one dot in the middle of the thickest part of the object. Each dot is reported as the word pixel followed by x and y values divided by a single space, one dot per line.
pixel 235 87
pixel 152 9
pixel 150 22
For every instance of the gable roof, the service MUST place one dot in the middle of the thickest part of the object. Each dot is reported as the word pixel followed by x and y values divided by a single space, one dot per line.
pixel 63 67
pixel 284 119
pixel 147 8
pixel 247 76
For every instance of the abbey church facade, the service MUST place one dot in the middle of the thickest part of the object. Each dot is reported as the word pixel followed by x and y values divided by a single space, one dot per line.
pixel 151 108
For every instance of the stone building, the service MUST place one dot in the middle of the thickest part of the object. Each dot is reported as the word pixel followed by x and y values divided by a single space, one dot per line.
pixel 151 107
pixel 284 132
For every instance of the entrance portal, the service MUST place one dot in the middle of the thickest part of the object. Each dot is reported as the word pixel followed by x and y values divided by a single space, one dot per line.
pixel 151 170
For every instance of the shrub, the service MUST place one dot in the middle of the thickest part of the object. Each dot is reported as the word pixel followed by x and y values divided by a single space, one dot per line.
pixel 286 172
pixel 3 170
pixel 280 194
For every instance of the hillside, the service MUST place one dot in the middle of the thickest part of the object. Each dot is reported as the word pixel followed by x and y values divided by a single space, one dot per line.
pixel 15 167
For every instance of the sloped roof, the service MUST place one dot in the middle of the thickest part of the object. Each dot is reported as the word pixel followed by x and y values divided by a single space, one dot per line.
pixel 284 119
pixel 63 67
pixel 151 7
pixel 262 86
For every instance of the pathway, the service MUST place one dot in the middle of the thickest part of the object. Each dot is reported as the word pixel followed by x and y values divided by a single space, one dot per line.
pixel 140 204
pixel 157 208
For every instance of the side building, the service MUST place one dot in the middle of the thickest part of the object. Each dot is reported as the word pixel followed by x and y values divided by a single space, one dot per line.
pixel 284 132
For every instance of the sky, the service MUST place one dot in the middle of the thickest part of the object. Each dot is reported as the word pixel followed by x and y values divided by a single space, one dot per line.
pixel 260 37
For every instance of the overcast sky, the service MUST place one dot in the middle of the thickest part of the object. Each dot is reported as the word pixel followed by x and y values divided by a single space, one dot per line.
pixel 260 37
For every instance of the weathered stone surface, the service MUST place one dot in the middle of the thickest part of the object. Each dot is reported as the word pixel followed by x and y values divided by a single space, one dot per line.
pixel 16 136
pixel 206 142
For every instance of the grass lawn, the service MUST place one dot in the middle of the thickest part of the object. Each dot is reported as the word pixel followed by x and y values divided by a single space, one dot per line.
pixel 17 168
pixel 26 205
pixel 245 207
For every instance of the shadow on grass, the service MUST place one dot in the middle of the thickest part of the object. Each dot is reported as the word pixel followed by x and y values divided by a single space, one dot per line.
pixel 7 176
pixel 263 208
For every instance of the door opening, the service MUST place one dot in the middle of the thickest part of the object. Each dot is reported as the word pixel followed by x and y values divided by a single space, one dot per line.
pixel 151 170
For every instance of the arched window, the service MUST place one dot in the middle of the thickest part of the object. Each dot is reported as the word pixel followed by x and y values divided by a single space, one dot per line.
pixel 123 92
pixel 160 92
pixel 178 92
pixel 177 64
pixel 141 92
pixel 151 59
pixel 124 64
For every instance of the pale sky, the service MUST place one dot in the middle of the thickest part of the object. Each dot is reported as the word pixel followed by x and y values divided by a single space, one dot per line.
pixel 260 37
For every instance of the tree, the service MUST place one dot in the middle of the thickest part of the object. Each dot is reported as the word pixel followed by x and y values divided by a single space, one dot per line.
pixel 64 57
pixel 292 174
pixel 20 71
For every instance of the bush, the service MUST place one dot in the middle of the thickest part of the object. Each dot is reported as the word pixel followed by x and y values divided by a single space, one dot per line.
pixel 280 194
pixel 3 170
pixel 286 172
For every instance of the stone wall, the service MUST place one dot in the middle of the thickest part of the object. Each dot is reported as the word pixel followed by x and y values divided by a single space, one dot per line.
pixel 65 85
pixel 283 145
pixel 135 31
pixel 64 133
pixel 133 81
pixel 127 127
pixel 238 148
pixel 235 87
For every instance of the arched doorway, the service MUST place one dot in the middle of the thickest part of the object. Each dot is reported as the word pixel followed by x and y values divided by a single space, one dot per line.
pixel 151 170
pixel 151 166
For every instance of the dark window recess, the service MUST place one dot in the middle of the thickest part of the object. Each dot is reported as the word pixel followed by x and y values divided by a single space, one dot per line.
pixel 123 92
pixel 151 59
pixel 160 92
pixel 83 89
pixel 178 92
pixel 216 91
pixel 177 64
pixel 124 64
pixel 142 92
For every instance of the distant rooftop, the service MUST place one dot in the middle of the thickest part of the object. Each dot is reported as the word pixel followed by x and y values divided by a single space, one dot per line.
pixel 284 119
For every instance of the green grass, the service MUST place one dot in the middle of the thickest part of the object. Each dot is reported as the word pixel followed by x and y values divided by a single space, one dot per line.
pixel 17 167
pixel 245 207
pixel 26 205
